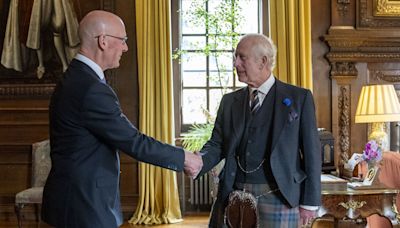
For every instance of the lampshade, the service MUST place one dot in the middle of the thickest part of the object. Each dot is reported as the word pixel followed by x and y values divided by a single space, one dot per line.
pixel 377 103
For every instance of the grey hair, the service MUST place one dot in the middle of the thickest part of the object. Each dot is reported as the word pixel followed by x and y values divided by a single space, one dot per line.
pixel 263 46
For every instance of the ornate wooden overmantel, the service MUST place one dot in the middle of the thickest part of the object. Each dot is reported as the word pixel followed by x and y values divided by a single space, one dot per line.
pixel 364 47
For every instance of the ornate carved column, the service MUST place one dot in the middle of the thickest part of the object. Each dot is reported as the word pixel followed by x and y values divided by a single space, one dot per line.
pixel 342 73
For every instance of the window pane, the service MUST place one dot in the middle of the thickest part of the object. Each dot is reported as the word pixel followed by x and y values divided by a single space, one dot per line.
pixel 223 43
pixel 221 62
pixel 193 62
pixel 223 79
pixel 193 42
pixel 188 24
pixel 193 100
pixel 194 79
pixel 250 21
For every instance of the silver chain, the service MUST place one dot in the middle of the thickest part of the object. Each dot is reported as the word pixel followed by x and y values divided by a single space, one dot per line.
pixel 249 171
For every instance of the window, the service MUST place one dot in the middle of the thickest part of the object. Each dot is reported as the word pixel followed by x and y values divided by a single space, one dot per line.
pixel 204 35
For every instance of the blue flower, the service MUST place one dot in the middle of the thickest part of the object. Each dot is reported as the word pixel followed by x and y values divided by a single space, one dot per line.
pixel 287 102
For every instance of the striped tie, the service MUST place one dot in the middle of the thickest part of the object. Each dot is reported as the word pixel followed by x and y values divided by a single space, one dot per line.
pixel 255 102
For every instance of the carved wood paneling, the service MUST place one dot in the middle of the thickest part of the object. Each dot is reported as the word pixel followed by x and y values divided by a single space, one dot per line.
pixel 344 123
pixel 372 40
pixel 343 69
pixel 342 7
pixel 385 76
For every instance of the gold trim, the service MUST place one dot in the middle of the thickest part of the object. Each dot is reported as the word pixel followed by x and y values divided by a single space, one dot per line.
pixel 352 204
pixel 394 209
pixel 386 8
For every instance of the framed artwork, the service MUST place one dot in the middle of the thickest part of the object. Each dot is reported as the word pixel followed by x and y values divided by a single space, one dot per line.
pixel 38 39
pixel 387 8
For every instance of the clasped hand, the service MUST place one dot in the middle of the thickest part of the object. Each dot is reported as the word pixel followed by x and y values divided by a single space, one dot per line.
pixel 307 217
pixel 193 164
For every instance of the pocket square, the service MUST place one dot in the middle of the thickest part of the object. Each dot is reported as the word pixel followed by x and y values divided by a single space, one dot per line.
pixel 292 115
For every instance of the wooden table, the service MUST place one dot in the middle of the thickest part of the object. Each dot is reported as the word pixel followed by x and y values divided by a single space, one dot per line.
pixel 343 202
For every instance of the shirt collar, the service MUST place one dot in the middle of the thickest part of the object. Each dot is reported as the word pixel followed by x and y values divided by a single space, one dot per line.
pixel 266 86
pixel 94 66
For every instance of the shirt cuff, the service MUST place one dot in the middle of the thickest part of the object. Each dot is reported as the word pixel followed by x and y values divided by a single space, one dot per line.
pixel 310 208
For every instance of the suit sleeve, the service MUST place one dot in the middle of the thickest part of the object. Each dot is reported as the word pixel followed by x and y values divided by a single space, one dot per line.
pixel 213 150
pixel 103 117
pixel 310 147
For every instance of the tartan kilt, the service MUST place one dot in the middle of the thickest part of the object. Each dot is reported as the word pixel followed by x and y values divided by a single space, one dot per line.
pixel 272 210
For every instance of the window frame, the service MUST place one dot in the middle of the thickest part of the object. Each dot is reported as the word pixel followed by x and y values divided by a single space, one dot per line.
pixel 176 67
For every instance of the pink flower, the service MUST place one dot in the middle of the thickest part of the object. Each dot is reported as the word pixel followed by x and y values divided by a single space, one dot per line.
pixel 372 152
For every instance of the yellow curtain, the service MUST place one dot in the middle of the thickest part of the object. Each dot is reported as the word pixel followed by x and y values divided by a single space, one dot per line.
pixel 158 192
pixel 291 32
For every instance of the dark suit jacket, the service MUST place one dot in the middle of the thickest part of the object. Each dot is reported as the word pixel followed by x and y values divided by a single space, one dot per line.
pixel 87 127
pixel 295 153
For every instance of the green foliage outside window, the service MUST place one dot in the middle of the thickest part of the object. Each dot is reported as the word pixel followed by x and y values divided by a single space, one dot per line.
pixel 221 22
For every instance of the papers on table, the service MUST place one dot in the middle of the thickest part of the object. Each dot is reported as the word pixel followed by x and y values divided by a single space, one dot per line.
pixel 329 178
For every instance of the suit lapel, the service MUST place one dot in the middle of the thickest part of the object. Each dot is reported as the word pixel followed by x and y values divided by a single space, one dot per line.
pixel 281 113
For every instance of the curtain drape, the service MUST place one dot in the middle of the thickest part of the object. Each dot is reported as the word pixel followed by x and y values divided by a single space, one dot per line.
pixel 291 32
pixel 158 190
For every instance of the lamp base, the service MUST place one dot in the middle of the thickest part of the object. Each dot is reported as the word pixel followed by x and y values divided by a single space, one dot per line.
pixel 379 135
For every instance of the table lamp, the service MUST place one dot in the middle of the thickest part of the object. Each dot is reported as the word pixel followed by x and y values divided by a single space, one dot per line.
pixel 378 104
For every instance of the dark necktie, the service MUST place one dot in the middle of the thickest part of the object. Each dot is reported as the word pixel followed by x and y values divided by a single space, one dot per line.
pixel 255 102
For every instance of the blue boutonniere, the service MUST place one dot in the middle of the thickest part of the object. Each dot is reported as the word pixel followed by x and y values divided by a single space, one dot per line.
pixel 292 113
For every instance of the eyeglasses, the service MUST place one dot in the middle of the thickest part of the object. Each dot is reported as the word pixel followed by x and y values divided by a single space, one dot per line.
pixel 123 39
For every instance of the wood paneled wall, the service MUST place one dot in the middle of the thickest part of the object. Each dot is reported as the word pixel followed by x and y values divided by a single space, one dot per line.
pixel 355 42
pixel 24 103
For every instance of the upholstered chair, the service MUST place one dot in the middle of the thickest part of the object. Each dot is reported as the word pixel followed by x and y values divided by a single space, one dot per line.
pixel 41 165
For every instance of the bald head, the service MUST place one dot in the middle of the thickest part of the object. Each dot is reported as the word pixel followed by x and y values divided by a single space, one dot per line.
pixel 95 23
pixel 103 38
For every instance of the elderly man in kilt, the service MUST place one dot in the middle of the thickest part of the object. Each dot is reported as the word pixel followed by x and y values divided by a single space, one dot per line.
pixel 267 134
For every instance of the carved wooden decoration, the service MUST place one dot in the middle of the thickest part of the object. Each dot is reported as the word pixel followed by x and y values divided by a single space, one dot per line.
pixel 343 69
pixel 342 6
pixel 344 123
pixel 383 76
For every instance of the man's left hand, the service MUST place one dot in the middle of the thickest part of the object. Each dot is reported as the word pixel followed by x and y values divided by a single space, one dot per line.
pixel 307 216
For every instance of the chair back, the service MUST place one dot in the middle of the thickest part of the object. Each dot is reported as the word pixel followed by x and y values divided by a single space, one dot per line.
pixel 41 163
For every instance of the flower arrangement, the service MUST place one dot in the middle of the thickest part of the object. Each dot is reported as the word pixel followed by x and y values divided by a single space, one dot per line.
pixel 372 152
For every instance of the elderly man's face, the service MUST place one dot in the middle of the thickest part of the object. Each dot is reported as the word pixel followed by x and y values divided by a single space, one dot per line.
pixel 117 41
pixel 249 67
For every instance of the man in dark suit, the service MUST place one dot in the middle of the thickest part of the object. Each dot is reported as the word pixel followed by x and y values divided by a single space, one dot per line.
pixel 269 141
pixel 87 127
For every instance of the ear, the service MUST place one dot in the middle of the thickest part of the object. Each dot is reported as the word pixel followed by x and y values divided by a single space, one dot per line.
pixel 101 42
pixel 264 62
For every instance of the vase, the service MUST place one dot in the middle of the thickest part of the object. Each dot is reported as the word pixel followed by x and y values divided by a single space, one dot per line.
pixel 371 174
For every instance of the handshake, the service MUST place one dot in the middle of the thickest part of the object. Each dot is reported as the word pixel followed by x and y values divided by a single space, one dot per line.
pixel 193 164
